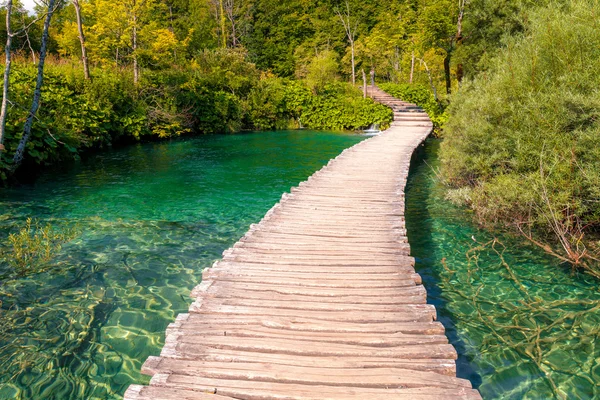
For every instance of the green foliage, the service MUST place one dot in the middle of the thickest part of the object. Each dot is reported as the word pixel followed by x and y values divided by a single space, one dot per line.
pixel 75 115
pixel 322 70
pixel 34 245
pixel 421 96
pixel 267 105
pixel 525 137
pixel 340 106
pixel 188 85
pixel 488 25
pixel 220 91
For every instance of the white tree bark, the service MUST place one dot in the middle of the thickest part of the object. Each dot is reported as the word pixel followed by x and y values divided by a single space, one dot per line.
pixel 35 104
pixel 134 36
pixel 231 10
pixel 412 67
pixel 350 29
pixel 7 65
pixel 26 31
pixel 364 76
pixel 435 95
pixel 84 59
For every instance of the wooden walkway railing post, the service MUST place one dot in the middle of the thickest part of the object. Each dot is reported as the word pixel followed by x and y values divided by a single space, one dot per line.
pixel 320 299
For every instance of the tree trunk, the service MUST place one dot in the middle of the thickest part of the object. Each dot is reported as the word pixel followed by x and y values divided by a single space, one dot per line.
pixel 136 69
pixel 230 11
pixel 171 18
pixel 7 65
pixel 353 65
pixel 26 32
pixel 364 83
pixel 396 64
pixel 412 67
pixel 35 104
pixel 459 73
pixel 447 72
pixel 435 96
pixel 84 59
pixel 223 31
pixel 233 30
pixel 459 39
pixel 350 33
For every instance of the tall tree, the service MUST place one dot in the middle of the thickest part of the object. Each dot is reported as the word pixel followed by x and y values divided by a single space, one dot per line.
pixel 7 65
pixel 134 38
pixel 236 11
pixel 84 59
pixel 10 35
pixel 350 26
pixel 223 29
pixel 35 104
pixel 442 29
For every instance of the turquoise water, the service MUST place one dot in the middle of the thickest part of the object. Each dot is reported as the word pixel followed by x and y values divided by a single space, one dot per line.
pixel 524 325
pixel 149 219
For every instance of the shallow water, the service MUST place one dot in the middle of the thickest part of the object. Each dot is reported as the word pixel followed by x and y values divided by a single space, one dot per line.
pixel 524 326
pixel 150 218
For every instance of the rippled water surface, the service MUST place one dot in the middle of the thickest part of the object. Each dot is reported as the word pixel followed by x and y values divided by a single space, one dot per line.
pixel 149 219
pixel 525 327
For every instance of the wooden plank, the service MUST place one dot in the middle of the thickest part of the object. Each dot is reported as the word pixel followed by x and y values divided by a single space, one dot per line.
pixel 358 339
pixel 346 377
pixel 408 313
pixel 307 291
pixel 214 273
pixel 306 305
pixel 322 282
pixel 310 270
pixel 413 295
pixel 302 324
pixel 275 390
pixel 187 346
pixel 138 392
pixel 152 365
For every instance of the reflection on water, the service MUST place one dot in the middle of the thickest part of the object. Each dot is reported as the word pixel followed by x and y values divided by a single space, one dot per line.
pixel 151 218
pixel 525 327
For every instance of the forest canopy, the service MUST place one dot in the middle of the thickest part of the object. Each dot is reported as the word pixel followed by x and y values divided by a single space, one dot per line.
pixel 126 70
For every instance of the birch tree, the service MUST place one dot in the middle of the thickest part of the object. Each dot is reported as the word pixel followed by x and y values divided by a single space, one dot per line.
pixel 350 27
pixel 134 40
pixel 138 13
pixel 7 65
pixel 234 10
pixel 84 59
pixel 221 16
pixel 35 104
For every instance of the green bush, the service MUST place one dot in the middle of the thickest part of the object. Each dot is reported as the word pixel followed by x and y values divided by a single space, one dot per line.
pixel 220 91
pixel 74 114
pixel 525 136
pixel 267 105
pixel 421 96
pixel 339 106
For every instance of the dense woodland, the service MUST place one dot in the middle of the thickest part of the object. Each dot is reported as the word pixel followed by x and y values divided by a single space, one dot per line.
pixel 128 70
pixel 511 86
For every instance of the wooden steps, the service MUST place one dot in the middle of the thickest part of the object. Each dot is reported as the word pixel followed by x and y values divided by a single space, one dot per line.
pixel 320 299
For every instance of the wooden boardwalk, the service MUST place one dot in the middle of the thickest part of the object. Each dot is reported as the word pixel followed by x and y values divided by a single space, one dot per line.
pixel 319 300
